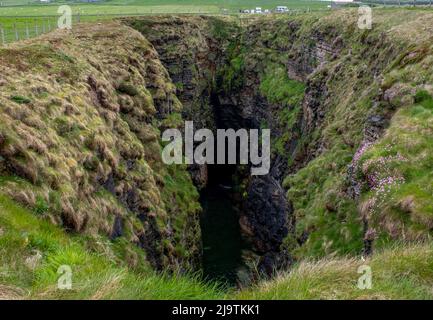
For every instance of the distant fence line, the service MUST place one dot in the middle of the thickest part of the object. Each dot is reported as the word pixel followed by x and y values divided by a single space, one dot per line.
pixel 31 27
pixel 25 30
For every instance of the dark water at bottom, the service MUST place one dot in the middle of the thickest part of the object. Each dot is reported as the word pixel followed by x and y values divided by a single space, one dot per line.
pixel 221 236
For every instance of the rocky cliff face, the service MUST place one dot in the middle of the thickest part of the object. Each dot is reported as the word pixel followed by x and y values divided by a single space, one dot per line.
pixel 227 95
pixel 234 89
pixel 316 82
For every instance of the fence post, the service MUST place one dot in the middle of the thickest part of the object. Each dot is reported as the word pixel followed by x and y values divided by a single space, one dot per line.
pixel 27 30
pixel 16 32
pixel 43 26
pixel 49 24
pixel 36 29
pixel 2 35
pixel 78 17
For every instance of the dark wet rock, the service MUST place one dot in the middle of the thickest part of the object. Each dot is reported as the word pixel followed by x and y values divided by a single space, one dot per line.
pixel 313 107
pixel 117 230
pixel 273 261
pixel 150 241
pixel 303 238
pixel 266 211
pixel 374 127
pixel 199 175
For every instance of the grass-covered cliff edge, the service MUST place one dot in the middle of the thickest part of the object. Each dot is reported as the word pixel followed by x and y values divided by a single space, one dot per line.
pixel 83 184
pixel 80 143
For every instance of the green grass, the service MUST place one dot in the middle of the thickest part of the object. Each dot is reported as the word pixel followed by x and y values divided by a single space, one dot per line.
pixel 403 272
pixel 108 9
pixel 398 273
pixel 278 88
pixel 331 219
pixel 323 208
pixel 318 193
pixel 21 99
pixel 163 6
pixel 17 2
pixel 403 155
pixel 23 27
pixel 23 20
pixel 229 4
pixel 96 275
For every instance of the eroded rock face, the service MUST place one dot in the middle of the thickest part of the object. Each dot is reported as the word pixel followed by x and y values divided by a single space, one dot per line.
pixel 266 211
pixel 195 59
pixel 312 107
pixel 215 96
pixel 221 69
pixel 272 261
pixel 191 53
pixel 199 175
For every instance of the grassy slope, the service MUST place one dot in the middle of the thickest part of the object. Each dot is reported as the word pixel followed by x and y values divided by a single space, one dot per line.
pixel 400 273
pixel 396 171
pixel 399 170
pixel 78 126
pixel 31 251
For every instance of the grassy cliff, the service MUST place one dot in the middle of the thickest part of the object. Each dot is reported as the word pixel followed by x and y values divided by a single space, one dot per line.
pixel 80 146
pixel 82 182
pixel 366 180
pixel 32 252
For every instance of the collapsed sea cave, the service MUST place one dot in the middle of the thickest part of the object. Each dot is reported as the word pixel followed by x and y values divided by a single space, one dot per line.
pixel 273 75
pixel 245 217
pixel 84 182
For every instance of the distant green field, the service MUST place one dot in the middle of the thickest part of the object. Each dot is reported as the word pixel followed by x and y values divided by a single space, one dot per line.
pixel 20 19
pixel 230 4
pixel 153 6
pixel 236 4
pixel 101 9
